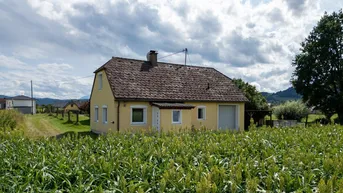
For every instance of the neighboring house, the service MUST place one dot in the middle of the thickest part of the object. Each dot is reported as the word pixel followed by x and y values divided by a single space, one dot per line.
pixel 74 105
pixel 137 94
pixel 21 103
pixel 3 103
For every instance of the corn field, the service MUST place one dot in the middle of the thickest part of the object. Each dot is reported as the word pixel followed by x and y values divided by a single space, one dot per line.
pixel 280 160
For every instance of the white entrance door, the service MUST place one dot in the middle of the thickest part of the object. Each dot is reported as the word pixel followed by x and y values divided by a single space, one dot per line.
pixel 227 118
pixel 156 118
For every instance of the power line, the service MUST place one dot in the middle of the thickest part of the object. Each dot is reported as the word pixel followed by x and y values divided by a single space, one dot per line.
pixel 171 54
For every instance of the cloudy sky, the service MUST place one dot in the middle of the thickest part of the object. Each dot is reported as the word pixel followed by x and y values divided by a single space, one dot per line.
pixel 58 44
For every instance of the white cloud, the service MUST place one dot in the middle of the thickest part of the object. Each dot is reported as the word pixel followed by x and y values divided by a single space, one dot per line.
pixel 11 63
pixel 253 40
pixel 49 80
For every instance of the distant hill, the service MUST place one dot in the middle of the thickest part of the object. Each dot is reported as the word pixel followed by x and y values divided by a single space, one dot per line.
pixel 281 96
pixel 47 101
pixel 3 96
pixel 85 97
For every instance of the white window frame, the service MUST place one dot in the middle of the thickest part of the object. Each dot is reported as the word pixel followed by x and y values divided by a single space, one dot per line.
pixel 180 118
pixel 204 113
pixel 144 114
pixel 96 112
pixel 100 82
pixel 103 117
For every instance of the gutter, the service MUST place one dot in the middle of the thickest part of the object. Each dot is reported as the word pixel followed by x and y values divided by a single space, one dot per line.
pixel 118 116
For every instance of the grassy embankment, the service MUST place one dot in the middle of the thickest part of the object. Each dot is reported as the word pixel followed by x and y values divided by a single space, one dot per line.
pixel 42 125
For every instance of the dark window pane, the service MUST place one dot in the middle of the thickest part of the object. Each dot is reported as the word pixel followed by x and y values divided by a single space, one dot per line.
pixel 137 115
pixel 176 116
pixel 200 113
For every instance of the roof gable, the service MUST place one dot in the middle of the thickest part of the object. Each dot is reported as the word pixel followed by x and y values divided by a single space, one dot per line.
pixel 137 79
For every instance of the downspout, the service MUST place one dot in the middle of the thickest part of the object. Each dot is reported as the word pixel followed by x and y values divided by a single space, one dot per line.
pixel 118 116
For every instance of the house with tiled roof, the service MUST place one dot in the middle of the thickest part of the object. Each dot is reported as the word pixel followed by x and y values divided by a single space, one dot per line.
pixel 21 103
pixel 72 105
pixel 147 94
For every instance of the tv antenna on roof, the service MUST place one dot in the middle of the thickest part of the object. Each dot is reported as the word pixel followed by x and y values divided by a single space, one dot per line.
pixel 184 50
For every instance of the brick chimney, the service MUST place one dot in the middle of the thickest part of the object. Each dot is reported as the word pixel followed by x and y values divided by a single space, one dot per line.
pixel 152 57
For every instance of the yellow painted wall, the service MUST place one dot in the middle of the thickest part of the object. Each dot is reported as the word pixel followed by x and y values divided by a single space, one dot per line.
pixel 100 98
pixel 69 107
pixel 189 117
pixel 166 120
pixel 125 116
pixel 211 119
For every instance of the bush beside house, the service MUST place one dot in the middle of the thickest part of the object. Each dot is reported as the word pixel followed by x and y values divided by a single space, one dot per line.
pixel 291 110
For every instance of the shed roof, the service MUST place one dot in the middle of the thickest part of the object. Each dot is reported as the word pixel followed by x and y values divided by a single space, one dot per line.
pixel 173 105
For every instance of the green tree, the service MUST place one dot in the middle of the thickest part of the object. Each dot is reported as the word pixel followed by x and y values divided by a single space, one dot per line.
pixel 291 110
pixel 318 74
pixel 256 99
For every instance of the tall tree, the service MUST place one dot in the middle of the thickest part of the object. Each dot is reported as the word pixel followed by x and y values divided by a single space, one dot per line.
pixel 318 74
pixel 256 100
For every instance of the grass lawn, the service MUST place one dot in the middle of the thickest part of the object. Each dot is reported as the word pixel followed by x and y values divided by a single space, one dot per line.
pixel 45 125
pixel 65 126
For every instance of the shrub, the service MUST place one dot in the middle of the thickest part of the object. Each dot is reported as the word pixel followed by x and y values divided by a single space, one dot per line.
pixel 9 119
pixel 291 110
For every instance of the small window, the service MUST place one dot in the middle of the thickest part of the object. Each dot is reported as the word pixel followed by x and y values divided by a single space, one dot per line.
pixel 72 105
pixel 201 113
pixel 104 114
pixel 176 116
pixel 138 115
pixel 96 114
pixel 100 81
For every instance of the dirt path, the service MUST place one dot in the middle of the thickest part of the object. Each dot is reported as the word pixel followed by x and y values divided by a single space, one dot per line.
pixel 37 127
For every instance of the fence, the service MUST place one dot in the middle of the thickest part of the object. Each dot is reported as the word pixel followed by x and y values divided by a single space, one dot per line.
pixel 284 123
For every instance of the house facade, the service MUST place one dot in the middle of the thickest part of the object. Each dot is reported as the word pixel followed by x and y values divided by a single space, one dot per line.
pixel 135 94
pixel 21 103
pixel 3 103
pixel 73 105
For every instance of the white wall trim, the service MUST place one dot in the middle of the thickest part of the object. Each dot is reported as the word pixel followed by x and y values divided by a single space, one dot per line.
pixel 102 114
pixel 201 107
pixel 180 122
pixel 100 81
pixel 97 117
pixel 144 107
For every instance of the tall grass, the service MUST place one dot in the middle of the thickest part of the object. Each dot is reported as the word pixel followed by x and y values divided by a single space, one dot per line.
pixel 279 160
pixel 9 119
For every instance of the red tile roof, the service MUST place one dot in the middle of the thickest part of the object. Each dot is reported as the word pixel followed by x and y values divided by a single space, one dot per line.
pixel 132 79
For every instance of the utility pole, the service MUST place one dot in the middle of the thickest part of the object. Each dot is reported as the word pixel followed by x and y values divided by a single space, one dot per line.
pixel 31 98
pixel 186 52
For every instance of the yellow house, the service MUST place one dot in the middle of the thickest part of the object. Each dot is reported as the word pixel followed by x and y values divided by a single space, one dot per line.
pixel 131 94
pixel 73 105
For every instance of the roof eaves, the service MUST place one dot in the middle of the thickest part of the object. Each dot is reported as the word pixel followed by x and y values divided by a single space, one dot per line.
pixel 176 100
